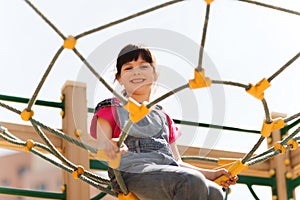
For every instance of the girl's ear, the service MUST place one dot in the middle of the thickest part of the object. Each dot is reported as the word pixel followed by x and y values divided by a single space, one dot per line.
pixel 118 79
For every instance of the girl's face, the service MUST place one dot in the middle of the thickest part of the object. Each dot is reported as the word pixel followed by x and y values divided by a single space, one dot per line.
pixel 137 77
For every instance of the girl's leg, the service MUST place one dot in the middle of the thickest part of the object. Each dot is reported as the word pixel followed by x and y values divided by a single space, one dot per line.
pixel 173 183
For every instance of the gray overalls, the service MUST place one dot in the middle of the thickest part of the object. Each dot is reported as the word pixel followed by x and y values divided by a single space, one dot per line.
pixel 149 168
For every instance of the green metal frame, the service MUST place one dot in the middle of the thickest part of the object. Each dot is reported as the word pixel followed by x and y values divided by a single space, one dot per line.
pixel 33 193
pixel 38 102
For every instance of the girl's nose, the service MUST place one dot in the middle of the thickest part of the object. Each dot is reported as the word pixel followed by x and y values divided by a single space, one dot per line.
pixel 137 70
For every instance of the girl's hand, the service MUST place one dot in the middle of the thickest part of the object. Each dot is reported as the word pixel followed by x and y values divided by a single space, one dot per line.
pixel 220 172
pixel 111 148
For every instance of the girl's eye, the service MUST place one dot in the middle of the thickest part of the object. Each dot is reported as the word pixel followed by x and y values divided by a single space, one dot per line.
pixel 144 67
pixel 128 68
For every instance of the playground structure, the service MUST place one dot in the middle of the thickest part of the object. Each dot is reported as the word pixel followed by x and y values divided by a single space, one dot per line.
pixel 280 172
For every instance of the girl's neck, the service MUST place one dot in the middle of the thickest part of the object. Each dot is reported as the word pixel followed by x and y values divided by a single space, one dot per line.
pixel 141 98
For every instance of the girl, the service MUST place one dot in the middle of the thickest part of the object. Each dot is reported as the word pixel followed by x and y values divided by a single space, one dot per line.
pixel 150 165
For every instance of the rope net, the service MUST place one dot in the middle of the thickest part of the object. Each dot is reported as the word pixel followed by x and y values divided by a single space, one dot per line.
pixel 199 81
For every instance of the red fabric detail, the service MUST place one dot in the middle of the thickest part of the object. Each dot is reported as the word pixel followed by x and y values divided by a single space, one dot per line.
pixel 174 132
pixel 109 113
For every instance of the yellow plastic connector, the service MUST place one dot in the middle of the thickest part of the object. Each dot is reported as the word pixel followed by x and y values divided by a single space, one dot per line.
pixel 258 90
pixel 279 146
pixel 226 161
pixel 29 144
pixel 136 111
pixel 208 1
pixel 234 170
pixel 129 196
pixel 199 81
pixel 26 115
pixel 78 171
pixel 267 128
pixel 70 42
pixel 111 163
pixel 293 143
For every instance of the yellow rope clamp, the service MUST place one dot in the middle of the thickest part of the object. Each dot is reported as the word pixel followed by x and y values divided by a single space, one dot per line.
pixel 129 196
pixel 29 144
pixel 70 42
pixel 199 81
pixel 293 143
pixel 136 111
pixel 78 171
pixel 111 163
pixel 267 128
pixel 279 146
pixel 258 90
pixel 208 1
pixel 26 115
pixel 226 161
pixel 234 170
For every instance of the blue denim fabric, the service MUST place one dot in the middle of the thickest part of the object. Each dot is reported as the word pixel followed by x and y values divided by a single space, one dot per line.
pixel 146 145
pixel 149 168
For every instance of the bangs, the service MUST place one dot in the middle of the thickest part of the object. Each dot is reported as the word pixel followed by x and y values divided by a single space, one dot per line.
pixel 134 55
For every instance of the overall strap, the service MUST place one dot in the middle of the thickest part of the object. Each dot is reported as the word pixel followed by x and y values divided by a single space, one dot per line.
pixel 107 103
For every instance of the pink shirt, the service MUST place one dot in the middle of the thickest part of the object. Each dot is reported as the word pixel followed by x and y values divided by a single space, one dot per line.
pixel 109 113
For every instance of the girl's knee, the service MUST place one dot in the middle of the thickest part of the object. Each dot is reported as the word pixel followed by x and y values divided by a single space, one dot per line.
pixel 197 183
pixel 215 193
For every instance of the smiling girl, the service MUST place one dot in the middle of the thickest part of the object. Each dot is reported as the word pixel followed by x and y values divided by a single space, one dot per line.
pixel 150 164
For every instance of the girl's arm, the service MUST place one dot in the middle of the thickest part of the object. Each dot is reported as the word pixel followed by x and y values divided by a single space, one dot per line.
pixel 209 174
pixel 105 140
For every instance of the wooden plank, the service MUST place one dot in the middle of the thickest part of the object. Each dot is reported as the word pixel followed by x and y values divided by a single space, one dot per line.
pixel 259 170
pixel 75 119
pixel 25 132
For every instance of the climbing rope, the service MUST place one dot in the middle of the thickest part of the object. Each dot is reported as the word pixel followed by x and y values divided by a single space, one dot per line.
pixel 204 32
pixel 272 7
pixel 138 111
pixel 30 145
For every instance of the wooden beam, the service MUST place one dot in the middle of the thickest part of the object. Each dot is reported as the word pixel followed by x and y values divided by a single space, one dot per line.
pixel 75 121
pixel 259 170
pixel 25 132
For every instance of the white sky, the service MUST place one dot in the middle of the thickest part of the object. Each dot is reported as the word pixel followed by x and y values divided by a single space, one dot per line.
pixel 244 42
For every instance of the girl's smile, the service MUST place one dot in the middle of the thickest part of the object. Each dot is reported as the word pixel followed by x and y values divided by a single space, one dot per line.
pixel 137 80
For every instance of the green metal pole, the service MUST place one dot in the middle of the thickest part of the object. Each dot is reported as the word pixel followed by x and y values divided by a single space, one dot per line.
pixel 38 102
pixel 32 193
